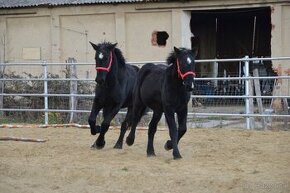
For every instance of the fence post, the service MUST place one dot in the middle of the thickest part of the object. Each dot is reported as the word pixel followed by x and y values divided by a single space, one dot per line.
pixel 73 88
pixel 247 91
pixel 44 64
pixel 2 68
pixel 215 72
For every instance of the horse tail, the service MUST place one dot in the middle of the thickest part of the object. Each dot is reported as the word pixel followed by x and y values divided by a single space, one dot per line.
pixel 139 108
pixel 142 73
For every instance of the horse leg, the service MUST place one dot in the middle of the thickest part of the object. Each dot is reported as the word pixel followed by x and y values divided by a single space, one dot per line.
pixel 108 114
pixel 182 128
pixel 151 132
pixel 138 112
pixel 92 118
pixel 169 115
pixel 125 124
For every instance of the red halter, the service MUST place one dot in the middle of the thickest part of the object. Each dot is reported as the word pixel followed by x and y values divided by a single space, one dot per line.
pixel 180 75
pixel 109 65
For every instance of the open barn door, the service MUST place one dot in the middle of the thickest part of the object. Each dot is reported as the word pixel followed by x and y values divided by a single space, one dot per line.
pixel 232 33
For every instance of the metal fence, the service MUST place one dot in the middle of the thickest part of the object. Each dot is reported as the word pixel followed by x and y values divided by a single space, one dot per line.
pixel 63 92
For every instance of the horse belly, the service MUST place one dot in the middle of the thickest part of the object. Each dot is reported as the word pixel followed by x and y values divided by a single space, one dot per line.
pixel 150 93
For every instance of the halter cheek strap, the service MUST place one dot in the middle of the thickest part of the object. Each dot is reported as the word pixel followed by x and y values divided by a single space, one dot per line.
pixel 109 65
pixel 183 75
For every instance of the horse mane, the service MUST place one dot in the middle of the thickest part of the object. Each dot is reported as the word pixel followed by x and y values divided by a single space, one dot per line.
pixel 120 56
pixel 171 58
pixel 117 51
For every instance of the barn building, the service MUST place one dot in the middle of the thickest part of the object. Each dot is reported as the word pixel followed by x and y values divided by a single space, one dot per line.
pixel 146 30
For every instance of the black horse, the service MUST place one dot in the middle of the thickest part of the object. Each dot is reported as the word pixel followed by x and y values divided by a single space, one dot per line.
pixel 164 88
pixel 115 81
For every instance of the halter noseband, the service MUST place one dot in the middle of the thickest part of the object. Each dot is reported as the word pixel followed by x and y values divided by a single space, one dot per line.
pixel 109 65
pixel 183 75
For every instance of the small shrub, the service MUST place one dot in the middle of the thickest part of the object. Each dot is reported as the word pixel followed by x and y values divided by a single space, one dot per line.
pixel 37 102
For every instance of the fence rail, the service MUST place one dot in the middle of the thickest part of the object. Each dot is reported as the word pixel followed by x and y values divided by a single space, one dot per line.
pixel 245 93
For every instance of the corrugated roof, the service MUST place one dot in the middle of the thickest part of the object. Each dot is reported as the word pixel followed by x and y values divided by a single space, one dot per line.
pixel 34 3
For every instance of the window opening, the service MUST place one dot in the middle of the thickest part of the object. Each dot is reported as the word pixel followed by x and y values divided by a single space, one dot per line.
pixel 159 38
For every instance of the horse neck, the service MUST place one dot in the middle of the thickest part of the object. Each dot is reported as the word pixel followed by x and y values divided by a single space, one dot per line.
pixel 171 73
pixel 115 69
pixel 171 81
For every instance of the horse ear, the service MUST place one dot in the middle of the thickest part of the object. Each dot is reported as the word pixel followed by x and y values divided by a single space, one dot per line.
pixel 176 50
pixel 194 51
pixel 113 46
pixel 94 46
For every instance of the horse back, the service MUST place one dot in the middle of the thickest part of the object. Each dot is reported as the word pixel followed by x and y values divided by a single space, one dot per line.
pixel 149 84
pixel 151 73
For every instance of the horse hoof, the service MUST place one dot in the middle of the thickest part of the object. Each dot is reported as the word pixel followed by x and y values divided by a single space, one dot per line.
pixel 98 145
pixel 151 154
pixel 168 145
pixel 118 146
pixel 129 141
pixel 177 157
pixel 101 145
pixel 95 130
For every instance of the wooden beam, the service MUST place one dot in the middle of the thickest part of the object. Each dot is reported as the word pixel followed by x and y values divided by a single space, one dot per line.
pixel 258 93
pixel 22 139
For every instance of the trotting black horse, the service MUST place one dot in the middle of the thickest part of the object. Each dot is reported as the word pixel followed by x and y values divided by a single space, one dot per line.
pixel 115 81
pixel 164 88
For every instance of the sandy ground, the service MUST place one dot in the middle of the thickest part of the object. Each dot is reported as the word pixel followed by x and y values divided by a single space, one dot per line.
pixel 214 160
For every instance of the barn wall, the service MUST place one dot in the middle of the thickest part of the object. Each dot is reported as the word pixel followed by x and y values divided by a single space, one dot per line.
pixel 281 42
pixel 77 30
pixel 67 30
pixel 27 32
pixel 139 27
pixel 62 32
pixel 27 39
pixel 286 30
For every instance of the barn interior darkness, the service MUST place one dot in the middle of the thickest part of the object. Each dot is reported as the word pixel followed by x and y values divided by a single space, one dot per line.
pixel 231 33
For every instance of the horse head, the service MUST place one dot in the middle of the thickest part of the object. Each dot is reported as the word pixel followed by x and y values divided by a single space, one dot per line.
pixel 104 60
pixel 185 66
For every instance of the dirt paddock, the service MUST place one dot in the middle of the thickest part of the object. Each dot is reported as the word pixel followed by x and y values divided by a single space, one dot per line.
pixel 214 160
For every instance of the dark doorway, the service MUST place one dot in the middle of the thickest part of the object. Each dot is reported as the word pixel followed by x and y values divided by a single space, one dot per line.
pixel 232 33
